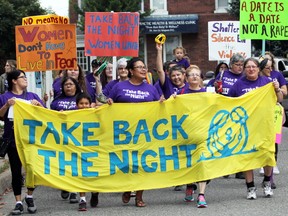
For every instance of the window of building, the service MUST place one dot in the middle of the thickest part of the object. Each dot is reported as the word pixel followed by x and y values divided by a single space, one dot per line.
pixel 159 7
pixel 82 60
pixel 221 6
pixel 171 42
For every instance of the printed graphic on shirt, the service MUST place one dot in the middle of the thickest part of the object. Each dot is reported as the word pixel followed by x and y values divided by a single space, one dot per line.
pixel 136 93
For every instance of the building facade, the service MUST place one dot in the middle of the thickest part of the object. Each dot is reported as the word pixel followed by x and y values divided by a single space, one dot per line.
pixel 184 22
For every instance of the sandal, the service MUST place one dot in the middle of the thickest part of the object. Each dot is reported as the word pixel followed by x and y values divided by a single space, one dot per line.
pixel 139 203
pixel 126 197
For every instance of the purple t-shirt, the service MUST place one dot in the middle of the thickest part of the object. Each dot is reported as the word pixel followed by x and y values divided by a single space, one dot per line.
pixel 8 125
pixel 183 62
pixel 126 92
pixel 279 77
pixel 107 89
pixel 189 91
pixel 157 85
pixel 168 88
pixel 91 80
pixel 228 80
pixel 58 90
pixel 243 85
pixel 64 103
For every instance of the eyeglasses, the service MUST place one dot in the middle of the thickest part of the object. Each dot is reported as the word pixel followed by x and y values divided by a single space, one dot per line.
pixel 24 77
pixel 69 84
pixel 194 75
pixel 121 68
pixel 268 68
pixel 141 67
pixel 239 65
pixel 251 66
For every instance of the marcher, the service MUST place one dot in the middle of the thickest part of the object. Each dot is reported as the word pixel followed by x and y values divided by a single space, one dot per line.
pixel 9 66
pixel 175 82
pixel 95 64
pixel 122 74
pixel 229 77
pixel 83 101
pixel 171 81
pixel 266 69
pixel 220 68
pixel 107 75
pixel 17 84
pixel 194 79
pixel 67 101
pixel 78 75
pixel 226 79
pixel 252 80
pixel 137 73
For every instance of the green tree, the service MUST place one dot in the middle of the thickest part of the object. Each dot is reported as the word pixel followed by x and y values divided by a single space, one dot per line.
pixel 11 14
pixel 107 6
pixel 278 48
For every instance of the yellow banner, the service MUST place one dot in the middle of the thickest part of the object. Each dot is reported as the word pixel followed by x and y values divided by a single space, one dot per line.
pixel 45 19
pixel 126 147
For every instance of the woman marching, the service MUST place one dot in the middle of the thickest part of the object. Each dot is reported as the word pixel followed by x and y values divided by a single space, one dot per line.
pixel 17 84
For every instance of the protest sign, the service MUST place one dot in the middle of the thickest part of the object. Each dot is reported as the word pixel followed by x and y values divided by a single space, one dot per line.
pixel 46 47
pixel 263 19
pixel 111 34
pixel 224 40
pixel 45 19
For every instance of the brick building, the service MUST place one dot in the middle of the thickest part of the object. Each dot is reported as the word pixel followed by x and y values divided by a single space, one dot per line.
pixel 184 22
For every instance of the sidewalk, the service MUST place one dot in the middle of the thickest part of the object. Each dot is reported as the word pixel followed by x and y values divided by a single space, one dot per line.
pixel 5 176
pixel 5 181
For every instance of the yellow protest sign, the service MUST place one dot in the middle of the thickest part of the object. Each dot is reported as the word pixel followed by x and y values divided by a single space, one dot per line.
pixel 124 147
pixel 45 19
pixel 263 19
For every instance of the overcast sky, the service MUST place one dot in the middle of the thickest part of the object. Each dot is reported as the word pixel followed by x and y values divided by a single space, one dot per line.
pixel 59 6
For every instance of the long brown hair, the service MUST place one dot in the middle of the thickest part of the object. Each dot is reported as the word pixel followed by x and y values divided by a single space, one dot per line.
pixel 81 78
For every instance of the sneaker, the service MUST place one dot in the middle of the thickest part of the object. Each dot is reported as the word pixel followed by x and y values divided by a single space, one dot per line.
pixel 82 206
pixel 251 193
pixel 201 202
pixel 133 194
pixel 178 188
pixel 276 170
pixel 268 192
pixel 18 209
pixel 64 194
pixel 73 198
pixel 94 200
pixel 31 207
pixel 261 171
pixel 189 195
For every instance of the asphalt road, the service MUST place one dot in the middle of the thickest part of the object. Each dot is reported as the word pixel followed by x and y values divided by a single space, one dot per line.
pixel 224 197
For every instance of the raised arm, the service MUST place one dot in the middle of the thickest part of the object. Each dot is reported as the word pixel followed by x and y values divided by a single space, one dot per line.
pixel 159 63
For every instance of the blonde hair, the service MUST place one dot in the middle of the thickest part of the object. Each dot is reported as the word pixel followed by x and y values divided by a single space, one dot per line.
pixel 191 68
pixel 12 63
